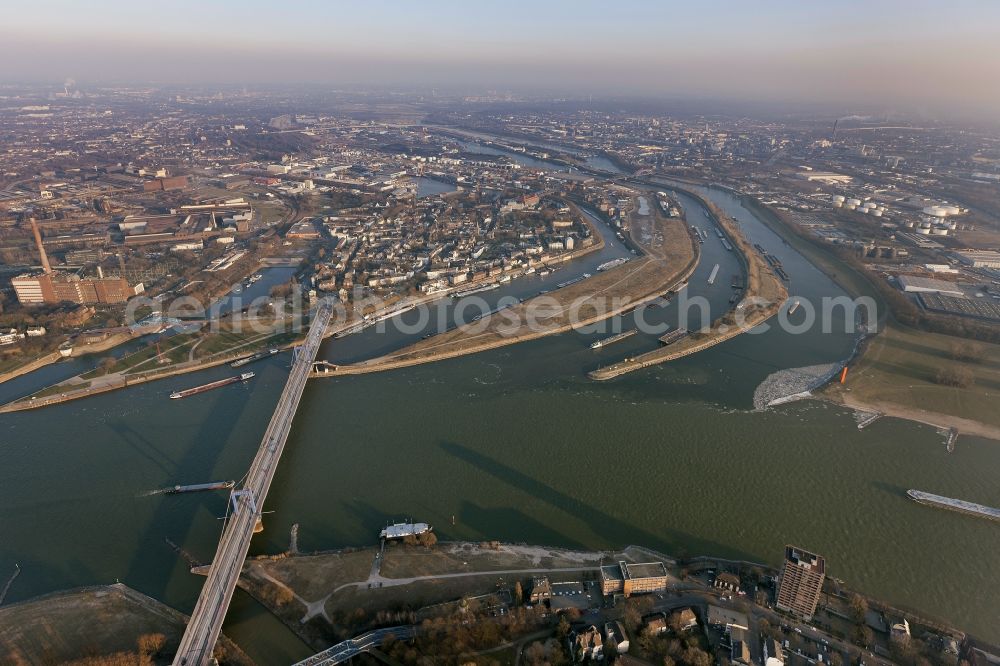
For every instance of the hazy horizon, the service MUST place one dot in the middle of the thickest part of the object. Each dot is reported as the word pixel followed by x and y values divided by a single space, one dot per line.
pixel 906 56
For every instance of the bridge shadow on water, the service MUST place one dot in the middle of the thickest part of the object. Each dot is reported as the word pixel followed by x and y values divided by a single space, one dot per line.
pixel 609 528
pixel 153 565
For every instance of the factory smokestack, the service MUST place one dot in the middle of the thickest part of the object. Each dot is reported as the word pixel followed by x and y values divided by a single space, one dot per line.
pixel 41 248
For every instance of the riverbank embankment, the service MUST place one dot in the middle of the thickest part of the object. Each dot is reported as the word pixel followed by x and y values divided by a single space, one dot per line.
pixel 763 298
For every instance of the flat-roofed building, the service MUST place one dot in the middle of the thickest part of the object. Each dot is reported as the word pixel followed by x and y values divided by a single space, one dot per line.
pixel 726 618
pixel 980 258
pixel 629 579
pixel 801 582
pixel 826 177
pixel 922 285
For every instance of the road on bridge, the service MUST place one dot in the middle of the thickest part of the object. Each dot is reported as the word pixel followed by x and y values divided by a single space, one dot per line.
pixel 205 624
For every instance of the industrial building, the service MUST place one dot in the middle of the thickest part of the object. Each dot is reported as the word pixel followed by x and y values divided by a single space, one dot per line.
pixel 801 582
pixel 979 258
pixel 920 285
pixel 57 287
pixel 629 579
pixel 826 177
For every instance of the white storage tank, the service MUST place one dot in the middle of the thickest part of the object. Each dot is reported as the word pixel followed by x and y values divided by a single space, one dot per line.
pixel 939 231
pixel 854 202
pixel 936 211
pixel 952 210
pixel 924 231
pixel 838 198
pixel 876 212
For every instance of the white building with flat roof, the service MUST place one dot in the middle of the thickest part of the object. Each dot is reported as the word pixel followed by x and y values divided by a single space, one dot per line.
pixel 979 258
pixel 921 285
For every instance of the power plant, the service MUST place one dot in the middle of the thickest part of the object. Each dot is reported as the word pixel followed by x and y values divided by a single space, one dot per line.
pixel 57 286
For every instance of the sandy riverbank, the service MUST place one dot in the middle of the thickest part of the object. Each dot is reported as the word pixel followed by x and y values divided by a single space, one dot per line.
pixel 927 417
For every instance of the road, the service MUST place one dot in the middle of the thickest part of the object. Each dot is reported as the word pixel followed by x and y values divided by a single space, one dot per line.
pixel 352 647
pixel 205 624
pixel 690 594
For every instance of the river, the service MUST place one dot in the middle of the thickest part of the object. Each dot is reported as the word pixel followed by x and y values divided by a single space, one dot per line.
pixel 517 445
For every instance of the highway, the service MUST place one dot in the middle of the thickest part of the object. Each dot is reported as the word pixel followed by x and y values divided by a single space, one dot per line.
pixel 203 628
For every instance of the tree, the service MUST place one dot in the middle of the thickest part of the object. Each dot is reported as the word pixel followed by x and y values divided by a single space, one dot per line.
pixel 563 629
pixel 862 635
pixel 632 617
pixel 957 376
pixel 966 351
pixel 696 657
pixel 106 364
pixel 151 644
pixel 859 608
pixel 518 593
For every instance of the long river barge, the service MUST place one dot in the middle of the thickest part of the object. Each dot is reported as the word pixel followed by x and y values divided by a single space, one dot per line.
pixel 212 385
pixel 961 506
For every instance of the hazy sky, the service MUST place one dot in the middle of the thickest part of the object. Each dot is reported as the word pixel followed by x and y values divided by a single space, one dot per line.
pixel 913 54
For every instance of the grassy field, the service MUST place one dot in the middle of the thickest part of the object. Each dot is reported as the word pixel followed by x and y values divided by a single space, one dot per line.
pixel 92 621
pixel 899 369
pixel 896 373
pixel 58 388
pixel 403 562
pixel 315 576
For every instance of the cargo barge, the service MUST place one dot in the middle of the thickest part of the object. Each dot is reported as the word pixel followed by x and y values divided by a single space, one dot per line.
pixel 715 272
pixel 199 487
pixel 613 339
pixel 608 265
pixel 673 336
pixel 475 290
pixel 212 385
pixel 573 281
pixel 240 362
pixel 961 506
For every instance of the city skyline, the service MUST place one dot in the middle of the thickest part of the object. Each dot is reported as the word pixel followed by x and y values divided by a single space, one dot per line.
pixel 894 57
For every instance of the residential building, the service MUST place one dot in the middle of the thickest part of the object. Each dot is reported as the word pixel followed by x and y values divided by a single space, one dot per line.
pixel 684 618
pixel 587 644
pixel 540 590
pixel 615 634
pixel 801 582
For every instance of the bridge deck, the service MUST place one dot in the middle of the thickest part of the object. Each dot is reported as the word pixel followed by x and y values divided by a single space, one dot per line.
pixel 206 621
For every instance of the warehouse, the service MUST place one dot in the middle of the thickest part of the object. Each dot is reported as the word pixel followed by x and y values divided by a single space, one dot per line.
pixel 920 285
